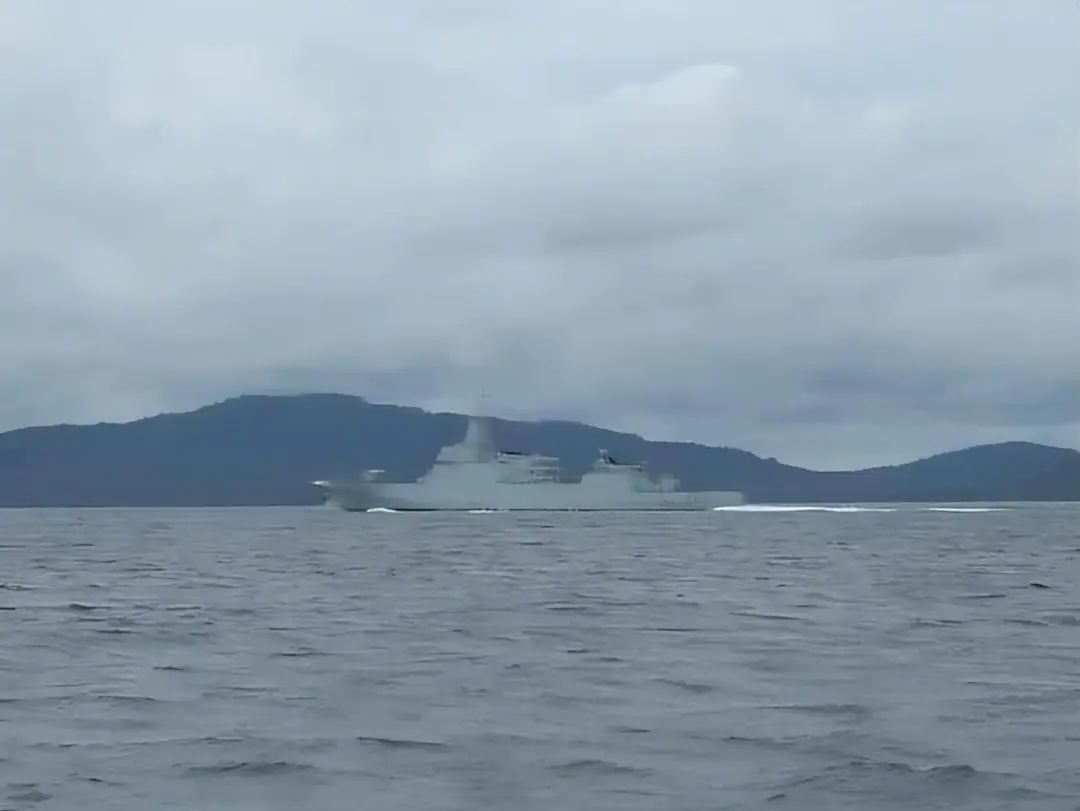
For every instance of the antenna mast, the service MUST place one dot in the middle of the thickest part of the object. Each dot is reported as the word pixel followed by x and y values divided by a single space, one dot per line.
pixel 481 404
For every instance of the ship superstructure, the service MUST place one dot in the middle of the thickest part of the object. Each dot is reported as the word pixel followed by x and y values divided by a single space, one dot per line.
pixel 475 475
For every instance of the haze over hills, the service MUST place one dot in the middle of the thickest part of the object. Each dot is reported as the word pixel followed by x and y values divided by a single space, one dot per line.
pixel 262 450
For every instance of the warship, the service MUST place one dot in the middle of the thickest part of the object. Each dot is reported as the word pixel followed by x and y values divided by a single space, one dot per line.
pixel 474 475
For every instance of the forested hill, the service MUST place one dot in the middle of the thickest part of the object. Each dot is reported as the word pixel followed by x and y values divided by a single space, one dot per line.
pixel 267 449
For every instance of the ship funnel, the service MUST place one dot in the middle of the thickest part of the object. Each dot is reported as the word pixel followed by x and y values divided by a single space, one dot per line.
pixel 477 446
pixel 478 439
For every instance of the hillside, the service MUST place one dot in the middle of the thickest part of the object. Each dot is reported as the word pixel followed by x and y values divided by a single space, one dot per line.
pixel 266 449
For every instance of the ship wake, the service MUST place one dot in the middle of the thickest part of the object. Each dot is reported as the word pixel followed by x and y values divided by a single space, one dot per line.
pixel 798 508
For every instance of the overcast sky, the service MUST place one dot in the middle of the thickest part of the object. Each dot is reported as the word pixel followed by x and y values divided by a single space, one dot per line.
pixel 838 233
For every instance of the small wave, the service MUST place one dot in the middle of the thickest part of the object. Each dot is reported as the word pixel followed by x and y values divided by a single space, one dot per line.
pixel 254 768
pixel 955 771
pixel 402 743
pixel 688 686
pixel 380 510
pixel 120 698
pixel 772 744
pixel 1062 619
pixel 484 512
pixel 931 622
pixel 101 781
pixel 674 629
pixel 595 766
pixel 30 796
pixel 572 607
pixel 858 710
pixel 862 768
pixel 760 616
pixel 301 652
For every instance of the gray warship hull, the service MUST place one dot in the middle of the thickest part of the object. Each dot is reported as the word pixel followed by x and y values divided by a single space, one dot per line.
pixel 474 475
pixel 361 497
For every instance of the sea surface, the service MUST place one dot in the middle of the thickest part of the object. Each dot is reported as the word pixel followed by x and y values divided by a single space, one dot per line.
pixel 742 659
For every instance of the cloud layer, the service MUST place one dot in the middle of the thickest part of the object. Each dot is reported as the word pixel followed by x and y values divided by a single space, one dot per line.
pixel 834 234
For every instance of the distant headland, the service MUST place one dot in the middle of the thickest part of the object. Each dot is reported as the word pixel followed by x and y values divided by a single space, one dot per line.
pixel 265 450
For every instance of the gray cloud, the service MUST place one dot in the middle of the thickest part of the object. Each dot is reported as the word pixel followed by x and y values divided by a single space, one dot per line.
pixel 832 232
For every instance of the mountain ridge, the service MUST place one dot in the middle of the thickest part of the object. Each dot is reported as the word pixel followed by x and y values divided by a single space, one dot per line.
pixel 259 449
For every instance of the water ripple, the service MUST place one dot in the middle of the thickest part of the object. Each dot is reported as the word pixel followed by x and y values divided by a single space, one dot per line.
pixel 258 658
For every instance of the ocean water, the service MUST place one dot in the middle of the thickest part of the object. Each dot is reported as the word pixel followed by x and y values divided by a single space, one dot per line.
pixel 740 659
